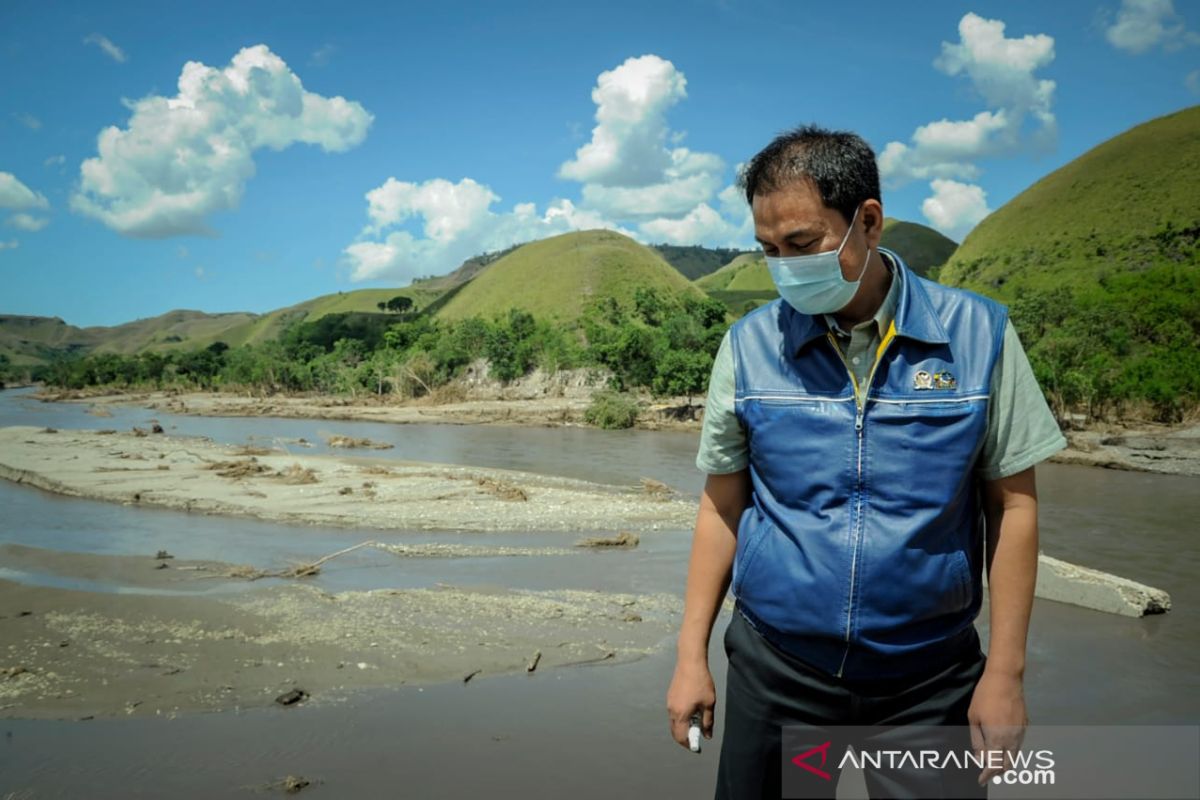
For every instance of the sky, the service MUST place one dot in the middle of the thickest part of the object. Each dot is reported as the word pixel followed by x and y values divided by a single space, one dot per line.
pixel 248 156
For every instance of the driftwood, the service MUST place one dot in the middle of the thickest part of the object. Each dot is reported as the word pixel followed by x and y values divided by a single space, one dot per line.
pixel 298 571
pixel 623 539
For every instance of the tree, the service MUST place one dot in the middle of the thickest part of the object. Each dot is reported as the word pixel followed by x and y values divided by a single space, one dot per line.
pixel 400 304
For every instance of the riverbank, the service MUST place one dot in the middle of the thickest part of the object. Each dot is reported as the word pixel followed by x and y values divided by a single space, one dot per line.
pixel 1141 448
pixel 78 655
pixel 553 410
pixel 194 474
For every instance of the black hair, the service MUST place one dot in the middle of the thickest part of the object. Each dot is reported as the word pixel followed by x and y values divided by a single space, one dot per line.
pixel 840 164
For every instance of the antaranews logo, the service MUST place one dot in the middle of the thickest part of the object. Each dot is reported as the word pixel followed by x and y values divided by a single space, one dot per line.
pixel 1019 767
pixel 1053 762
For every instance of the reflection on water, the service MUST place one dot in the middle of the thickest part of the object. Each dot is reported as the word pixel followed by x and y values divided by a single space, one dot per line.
pixel 587 732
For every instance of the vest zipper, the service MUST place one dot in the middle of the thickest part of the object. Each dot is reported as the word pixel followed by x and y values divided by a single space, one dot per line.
pixel 860 411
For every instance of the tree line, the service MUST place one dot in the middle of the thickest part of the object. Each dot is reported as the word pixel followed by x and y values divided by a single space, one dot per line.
pixel 660 343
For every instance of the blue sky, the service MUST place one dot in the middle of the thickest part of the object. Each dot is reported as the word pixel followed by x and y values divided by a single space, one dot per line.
pixel 311 148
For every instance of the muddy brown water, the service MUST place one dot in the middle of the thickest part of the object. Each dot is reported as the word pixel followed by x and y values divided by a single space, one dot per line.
pixel 580 732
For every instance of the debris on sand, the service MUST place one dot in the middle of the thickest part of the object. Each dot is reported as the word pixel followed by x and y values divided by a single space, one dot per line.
pixel 252 450
pixel 352 441
pixel 657 489
pixel 502 489
pixel 294 783
pixel 291 784
pixel 471 674
pixel 292 697
pixel 238 469
pixel 299 571
pixel 297 474
pixel 533 662
pixel 622 539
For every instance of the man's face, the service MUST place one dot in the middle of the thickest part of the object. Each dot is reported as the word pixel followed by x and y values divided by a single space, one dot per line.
pixel 792 221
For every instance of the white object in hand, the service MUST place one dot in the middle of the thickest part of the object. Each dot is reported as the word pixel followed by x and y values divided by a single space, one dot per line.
pixel 694 736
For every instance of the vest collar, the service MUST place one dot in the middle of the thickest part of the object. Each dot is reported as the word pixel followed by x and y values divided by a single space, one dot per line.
pixel 915 317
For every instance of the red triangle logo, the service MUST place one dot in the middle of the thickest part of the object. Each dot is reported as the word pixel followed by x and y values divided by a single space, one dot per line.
pixel 800 761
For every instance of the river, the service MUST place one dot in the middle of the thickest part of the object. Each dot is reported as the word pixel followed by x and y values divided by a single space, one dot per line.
pixel 580 732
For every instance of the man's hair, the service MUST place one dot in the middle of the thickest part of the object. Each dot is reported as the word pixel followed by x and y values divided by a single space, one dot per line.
pixel 840 164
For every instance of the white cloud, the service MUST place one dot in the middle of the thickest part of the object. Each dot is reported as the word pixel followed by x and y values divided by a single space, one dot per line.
pixel 55 161
pixel 16 196
pixel 110 49
pixel 702 223
pixel 200 273
pixel 186 157
pixel 27 222
pixel 1002 71
pixel 731 226
pixel 955 208
pixel 11 244
pixel 627 168
pixel 1192 81
pixel 455 223
pixel 1144 24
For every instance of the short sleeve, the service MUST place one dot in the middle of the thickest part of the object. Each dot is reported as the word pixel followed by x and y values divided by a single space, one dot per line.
pixel 723 446
pixel 1021 428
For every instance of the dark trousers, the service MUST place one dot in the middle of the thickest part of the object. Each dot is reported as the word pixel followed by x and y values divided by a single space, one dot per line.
pixel 767 688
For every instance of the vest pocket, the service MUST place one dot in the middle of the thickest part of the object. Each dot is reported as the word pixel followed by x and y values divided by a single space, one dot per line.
pixel 751 533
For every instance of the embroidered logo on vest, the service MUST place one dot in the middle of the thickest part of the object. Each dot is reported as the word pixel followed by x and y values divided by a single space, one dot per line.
pixel 937 380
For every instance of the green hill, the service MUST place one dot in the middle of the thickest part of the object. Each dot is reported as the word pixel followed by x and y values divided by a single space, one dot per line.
pixel 745 283
pixel 556 278
pixel 1100 263
pixel 921 247
pixel 695 261
pixel 37 340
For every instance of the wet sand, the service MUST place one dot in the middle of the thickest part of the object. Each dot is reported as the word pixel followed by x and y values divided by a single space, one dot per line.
pixel 70 654
pixel 193 474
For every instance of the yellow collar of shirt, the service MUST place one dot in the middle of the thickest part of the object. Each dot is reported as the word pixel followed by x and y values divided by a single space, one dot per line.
pixel 887 309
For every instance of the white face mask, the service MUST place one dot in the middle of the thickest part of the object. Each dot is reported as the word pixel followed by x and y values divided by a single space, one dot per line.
pixel 813 284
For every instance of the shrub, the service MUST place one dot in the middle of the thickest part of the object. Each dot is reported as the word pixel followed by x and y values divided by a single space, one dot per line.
pixel 611 410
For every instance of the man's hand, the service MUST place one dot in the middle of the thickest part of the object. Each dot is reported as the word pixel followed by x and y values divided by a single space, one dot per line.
pixel 692 692
pixel 997 712
pixel 998 720
pixel 714 542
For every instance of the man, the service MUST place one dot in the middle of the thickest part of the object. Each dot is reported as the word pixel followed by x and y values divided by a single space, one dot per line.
pixel 864 436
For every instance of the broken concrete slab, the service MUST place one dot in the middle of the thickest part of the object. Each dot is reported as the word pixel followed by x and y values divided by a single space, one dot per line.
pixel 1065 582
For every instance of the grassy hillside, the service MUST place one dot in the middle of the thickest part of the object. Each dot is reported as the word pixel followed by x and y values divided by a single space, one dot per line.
pixel 269 325
pixel 556 278
pixel 695 261
pixel 1100 263
pixel 921 247
pixel 1119 207
pixel 36 340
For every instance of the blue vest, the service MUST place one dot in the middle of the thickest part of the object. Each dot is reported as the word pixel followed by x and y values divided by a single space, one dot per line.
pixel 862 547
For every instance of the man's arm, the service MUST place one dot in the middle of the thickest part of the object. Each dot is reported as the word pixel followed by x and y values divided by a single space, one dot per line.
pixel 709 571
pixel 997 713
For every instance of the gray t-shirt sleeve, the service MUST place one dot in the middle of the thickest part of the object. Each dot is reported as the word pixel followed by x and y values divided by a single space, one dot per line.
pixel 723 446
pixel 1021 428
